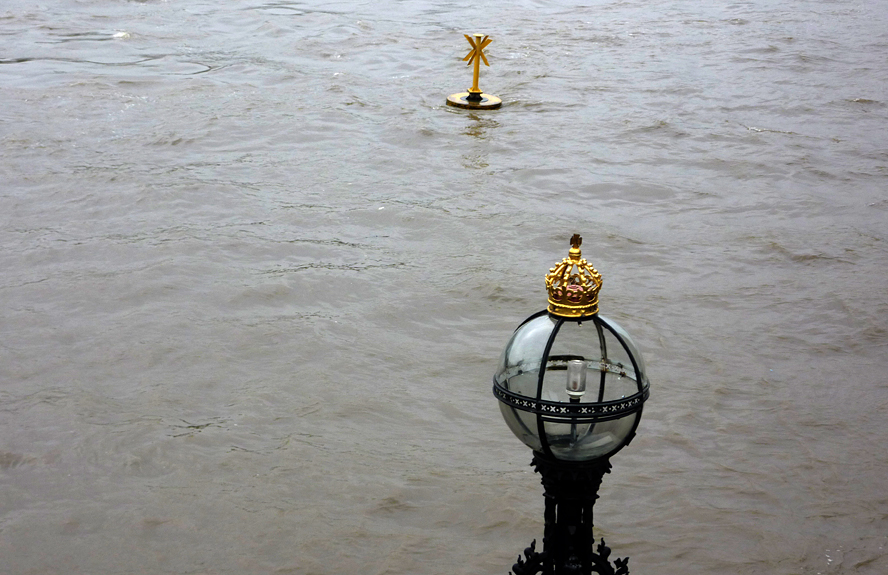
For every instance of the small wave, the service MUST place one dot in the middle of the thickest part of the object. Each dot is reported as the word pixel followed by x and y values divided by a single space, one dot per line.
pixel 866 101
pixel 755 129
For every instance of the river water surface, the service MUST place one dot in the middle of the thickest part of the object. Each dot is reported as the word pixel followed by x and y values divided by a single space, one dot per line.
pixel 255 278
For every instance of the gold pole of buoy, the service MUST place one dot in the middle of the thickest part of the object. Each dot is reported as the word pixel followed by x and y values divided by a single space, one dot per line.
pixel 475 99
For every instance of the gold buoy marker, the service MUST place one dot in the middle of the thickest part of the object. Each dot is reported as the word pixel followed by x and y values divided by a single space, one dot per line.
pixel 475 99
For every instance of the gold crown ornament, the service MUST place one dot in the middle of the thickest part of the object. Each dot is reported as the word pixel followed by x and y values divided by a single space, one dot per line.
pixel 573 285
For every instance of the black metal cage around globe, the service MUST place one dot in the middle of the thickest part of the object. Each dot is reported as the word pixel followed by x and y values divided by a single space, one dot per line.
pixel 572 389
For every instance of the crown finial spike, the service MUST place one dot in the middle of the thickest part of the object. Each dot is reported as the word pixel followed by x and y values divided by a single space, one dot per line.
pixel 575 243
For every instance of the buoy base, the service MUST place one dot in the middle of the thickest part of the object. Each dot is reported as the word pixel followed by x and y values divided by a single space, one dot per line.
pixel 487 102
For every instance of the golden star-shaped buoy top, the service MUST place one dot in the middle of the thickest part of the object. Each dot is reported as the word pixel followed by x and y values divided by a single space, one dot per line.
pixel 477 49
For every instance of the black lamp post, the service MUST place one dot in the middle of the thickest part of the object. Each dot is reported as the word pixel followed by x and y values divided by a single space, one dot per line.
pixel 571 386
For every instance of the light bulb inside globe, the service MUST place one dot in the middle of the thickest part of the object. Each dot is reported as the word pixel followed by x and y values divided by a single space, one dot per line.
pixel 576 378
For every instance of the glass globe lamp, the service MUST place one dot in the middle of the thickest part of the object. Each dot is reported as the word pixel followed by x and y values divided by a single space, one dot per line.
pixel 571 383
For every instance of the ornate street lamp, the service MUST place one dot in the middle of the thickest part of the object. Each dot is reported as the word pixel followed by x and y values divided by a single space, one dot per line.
pixel 571 386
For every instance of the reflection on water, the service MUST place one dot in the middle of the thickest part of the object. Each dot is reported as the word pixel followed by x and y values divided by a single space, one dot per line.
pixel 257 276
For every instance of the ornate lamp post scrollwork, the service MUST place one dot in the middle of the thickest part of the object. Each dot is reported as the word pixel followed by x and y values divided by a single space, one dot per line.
pixel 571 386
